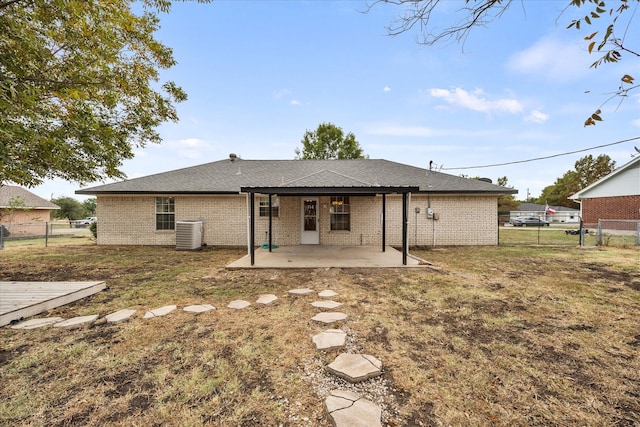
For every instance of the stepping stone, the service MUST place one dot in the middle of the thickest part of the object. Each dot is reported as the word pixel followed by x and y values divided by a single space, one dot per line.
pixel 266 299
pixel 355 367
pixel 330 339
pixel 37 323
pixel 329 317
pixel 326 304
pixel 159 312
pixel 119 316
pixel 77 322
pixel 199 308
pixel 238 304
pixel 327 294
pixel 347 409
pixel 302 291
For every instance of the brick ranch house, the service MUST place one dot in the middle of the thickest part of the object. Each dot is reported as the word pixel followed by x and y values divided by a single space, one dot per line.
pixel 23 212
pixel 615 196
pixel 326 202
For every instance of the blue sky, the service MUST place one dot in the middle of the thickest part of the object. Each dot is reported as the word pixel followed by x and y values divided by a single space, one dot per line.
pixel 259 74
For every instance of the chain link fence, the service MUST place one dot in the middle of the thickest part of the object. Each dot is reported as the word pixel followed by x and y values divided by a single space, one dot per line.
pixel 605 233
pixel 40 233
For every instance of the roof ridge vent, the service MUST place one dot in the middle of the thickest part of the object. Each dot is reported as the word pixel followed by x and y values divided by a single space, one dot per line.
pixel 233 157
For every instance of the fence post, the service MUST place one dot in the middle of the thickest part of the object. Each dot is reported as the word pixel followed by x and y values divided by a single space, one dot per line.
pixel 599 238
pixel 46 234
pixel 1 236
pixel 581 231
pixel 638 234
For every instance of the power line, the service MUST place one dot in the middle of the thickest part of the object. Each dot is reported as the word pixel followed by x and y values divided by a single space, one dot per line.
pixel 545 157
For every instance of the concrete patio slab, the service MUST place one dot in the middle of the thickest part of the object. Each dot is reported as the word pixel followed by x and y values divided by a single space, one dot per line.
pixel 318 256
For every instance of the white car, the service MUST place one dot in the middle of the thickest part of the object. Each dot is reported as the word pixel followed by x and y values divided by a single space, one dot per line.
pixel 86 221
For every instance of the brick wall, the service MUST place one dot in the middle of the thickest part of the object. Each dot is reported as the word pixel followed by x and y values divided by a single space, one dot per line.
pixel 463 220
pixel 620 207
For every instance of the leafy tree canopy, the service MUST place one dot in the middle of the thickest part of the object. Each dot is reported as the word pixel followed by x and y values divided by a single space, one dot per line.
pixel 608 24
pixel 89 206
pixel 506 202
pixel 587 171
pixel 70 208
pixel 79 87
pixel 329 142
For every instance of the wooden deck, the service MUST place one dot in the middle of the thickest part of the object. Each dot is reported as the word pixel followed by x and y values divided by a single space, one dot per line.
pixel 20 300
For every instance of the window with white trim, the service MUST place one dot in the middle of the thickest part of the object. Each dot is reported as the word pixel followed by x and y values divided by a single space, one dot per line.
pixel 340 213
pixel 165 213
pixel 264 206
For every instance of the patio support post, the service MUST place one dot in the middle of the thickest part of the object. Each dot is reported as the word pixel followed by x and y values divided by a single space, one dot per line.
pixel 252 227
pixel 405 219
pixel 384 221
pixel 270 222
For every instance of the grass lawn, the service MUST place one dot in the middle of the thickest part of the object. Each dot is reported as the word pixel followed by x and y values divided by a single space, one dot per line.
pixel 500 336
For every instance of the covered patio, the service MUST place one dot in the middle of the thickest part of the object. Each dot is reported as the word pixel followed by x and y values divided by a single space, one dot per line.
pixel 318 256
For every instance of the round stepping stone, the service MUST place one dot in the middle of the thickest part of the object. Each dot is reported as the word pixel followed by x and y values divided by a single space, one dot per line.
pixel 327 293
pixel 119 316
pixel 329 317
pixel 238 304
pixel 77 322
pixel 199 308
pixel 326 304
pixel 266 299
pixel 159 312
pixel 301 291
pixel 37 323
pixel 347 409
pixel 355 367
pixel 330 339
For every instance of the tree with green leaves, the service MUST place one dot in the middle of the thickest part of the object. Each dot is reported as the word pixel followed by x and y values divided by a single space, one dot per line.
pixel 79 87
pixel 587 170
pixel 506 202
pixel 608 27
pixel 70 208
pixel 328 142
pixel 89 206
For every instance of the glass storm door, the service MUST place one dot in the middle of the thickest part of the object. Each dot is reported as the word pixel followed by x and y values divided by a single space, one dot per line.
pixel 310 233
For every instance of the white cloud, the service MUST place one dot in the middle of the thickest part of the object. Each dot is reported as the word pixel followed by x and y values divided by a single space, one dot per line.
pixel 279 94
pixel 191 148
pixel 477 101
pixel 295 102
pixel 636 122
pixel 536 117
pixel 387 89
pixel 552 59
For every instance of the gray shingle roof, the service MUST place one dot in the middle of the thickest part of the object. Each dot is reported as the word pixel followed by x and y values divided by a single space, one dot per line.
pixel 9 192
pixel 227 176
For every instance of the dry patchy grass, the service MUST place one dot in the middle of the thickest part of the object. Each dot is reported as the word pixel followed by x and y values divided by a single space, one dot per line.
pixel 498 336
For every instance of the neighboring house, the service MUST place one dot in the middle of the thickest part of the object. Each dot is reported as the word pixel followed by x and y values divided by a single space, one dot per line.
pixel 22 212
pixel 615 196
pixel 562 213
pixel 327 202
